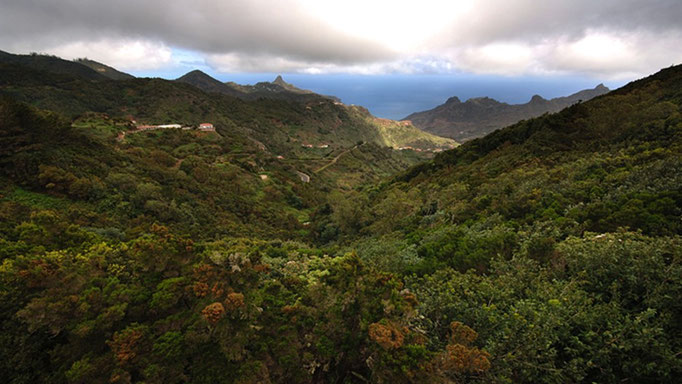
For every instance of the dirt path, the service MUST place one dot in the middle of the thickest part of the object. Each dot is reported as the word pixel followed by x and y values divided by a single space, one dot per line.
pixel 335 159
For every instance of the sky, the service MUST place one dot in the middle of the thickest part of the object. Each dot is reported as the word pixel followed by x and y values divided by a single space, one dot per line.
pixel 389 55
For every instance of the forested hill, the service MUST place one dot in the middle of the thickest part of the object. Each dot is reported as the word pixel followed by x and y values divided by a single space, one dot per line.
pixel 645 110
pixel 105 70
pixel 608 164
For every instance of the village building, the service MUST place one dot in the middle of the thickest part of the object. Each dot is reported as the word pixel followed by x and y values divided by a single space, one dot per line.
pixel 206 127
pixel 164 126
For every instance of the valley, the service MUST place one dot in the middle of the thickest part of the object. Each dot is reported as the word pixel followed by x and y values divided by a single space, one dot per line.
pixel 288 237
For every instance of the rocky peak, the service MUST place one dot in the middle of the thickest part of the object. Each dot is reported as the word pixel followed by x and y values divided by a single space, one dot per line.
pixel 602 88
pixel 280 81
pixel 537 99
pixel 196 74
pixel 483 101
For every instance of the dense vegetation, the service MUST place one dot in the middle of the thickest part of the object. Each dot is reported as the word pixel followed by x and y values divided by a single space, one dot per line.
pixel 557 239
pixel 162 258
pixel 549 251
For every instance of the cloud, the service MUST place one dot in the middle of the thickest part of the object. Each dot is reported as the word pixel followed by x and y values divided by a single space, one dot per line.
pixel 606 38
pixel 505 58
pixel 248 27
pixel 227 63
pixel 622 55
pixel 122 54
pixel 532 21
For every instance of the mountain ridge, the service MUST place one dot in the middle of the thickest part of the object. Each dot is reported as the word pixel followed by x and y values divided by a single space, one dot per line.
pixel 52 64
pixel 286 120
pixel 277 89
pixel 481 115
pixel 207 83
pixel 103 69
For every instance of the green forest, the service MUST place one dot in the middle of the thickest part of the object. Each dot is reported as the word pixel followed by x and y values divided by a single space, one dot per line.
pixel 549 251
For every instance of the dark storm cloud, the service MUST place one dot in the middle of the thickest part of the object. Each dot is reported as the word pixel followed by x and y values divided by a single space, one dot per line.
pixel 248 26
pixel 605 38
pixel 493 20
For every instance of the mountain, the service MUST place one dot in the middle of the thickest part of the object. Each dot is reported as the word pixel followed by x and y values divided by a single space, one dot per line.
pixel 479 116
pixel 105 70
pixel 207 83
pixel 278 89
pixel 82 68
pixel 279 85
pixel 279 81
pixel 281 89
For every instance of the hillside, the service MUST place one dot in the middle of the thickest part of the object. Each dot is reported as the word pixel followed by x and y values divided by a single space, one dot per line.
pixel 580 167
pixel 206 83
pixel 552 238
pixel 480 116
pixel 285 127
pixel 102 69
pixel 51 64
pixel 402 134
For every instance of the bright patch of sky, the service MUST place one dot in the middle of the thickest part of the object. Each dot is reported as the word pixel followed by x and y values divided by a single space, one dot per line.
pixel 180 62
